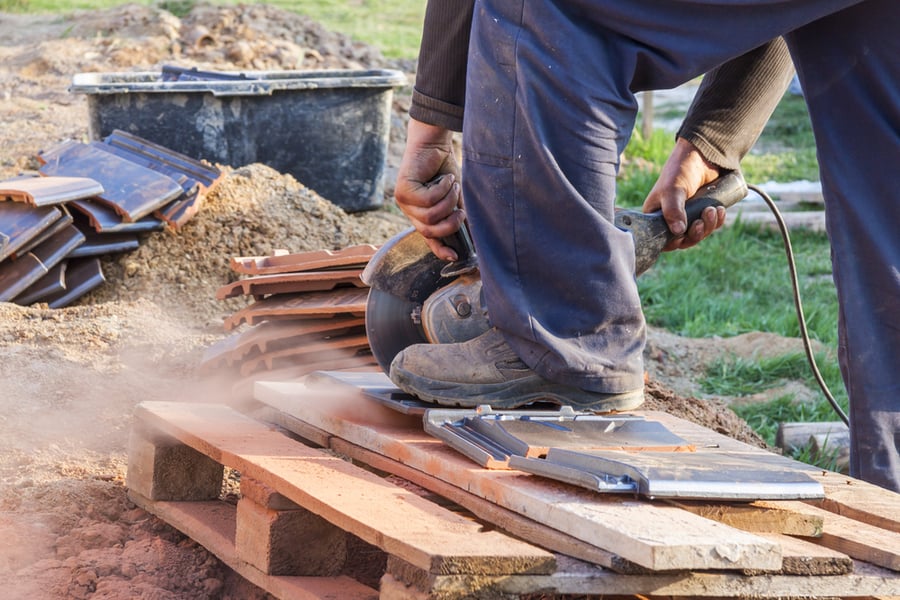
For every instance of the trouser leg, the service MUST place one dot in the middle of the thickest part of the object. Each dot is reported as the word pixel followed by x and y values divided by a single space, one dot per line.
pixel 849 65
pixel 549 108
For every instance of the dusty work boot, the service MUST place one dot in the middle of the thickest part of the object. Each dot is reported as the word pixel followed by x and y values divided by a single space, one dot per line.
pixel 485 370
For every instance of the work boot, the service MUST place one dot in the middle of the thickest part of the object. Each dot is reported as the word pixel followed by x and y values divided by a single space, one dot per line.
pixel 485 370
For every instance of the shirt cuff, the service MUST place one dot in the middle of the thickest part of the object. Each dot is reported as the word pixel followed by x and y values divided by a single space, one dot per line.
pixel 436 112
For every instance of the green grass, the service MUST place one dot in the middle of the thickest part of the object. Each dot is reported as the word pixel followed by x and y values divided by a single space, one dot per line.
pixel 742 377
pixel 394 26
pixel 786 149
pixel 737 281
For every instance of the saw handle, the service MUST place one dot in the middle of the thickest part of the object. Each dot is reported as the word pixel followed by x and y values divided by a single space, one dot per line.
pixel 651 232
pixel 461 242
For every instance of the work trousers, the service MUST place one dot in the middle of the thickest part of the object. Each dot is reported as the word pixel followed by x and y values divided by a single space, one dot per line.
pixel 550 106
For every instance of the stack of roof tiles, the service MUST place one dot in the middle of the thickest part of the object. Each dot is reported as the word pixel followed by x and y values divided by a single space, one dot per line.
pixel 308 314
pixel 86 201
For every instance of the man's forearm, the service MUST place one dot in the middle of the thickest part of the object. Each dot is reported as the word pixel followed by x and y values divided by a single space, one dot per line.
pixel 440 89
pixel 735 101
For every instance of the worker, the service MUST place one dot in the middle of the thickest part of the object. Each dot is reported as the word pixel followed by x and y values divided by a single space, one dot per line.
pixel 544 94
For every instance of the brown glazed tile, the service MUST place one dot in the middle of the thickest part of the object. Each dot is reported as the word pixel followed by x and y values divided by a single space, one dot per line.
pixel 103 219
pixel 61 223
pixel 82 275
pixel 53 282
pixel 21 223
pixel 17 275
pixel 106 243
pixel 131 190
pixel 191 173
pixel 48 191
pixel 58 246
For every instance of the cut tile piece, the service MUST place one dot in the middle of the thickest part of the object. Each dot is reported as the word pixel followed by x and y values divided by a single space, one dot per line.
pixel 82 275
pixel 105 220
pixel 17 275
pixel 48 191
pixel 311 352
pixel 21 223
pixel 304 261
pixel 289 283
pixel 181 210
pixel 52 283
pixel 293 306
pixel 274 335
pixel 130 189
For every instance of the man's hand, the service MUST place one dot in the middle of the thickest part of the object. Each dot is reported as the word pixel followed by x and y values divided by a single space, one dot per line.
pixel 427 189
pixel 685 172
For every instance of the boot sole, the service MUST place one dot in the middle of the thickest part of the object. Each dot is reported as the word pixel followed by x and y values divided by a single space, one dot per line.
pixel 512 394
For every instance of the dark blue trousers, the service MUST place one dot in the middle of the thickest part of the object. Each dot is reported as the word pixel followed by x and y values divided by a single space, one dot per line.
pixel 550 106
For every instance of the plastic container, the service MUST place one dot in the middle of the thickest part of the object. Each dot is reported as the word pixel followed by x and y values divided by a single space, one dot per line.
pixel 329 129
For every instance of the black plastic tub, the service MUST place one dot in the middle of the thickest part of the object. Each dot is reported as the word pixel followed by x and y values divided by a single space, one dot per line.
pixel 329 129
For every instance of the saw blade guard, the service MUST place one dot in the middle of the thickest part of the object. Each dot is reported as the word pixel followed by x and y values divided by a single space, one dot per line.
pixel 413 300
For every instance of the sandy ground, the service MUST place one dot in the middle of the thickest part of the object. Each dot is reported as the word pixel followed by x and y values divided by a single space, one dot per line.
pixel 70 378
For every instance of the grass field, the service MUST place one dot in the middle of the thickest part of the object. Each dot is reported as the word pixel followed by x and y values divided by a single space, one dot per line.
pixel 732 283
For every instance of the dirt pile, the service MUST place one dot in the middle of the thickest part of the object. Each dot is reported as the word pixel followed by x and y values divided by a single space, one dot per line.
pixel 70 378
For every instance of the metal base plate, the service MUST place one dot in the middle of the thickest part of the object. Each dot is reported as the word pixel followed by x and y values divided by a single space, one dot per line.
pixel 618 453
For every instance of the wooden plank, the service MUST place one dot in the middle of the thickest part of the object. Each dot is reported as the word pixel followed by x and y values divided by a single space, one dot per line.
pixel 811 221
pixel 806 558
pixel 785 517
pixel 506 520
pixel 798 556
pixel 793 436
pixel 656 536
pixel 579 579
pixel 212 525
pixel 860 501
pixel 405 525
pixel 860 540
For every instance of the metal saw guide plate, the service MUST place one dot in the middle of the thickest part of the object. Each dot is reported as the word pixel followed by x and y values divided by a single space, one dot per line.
pixel 618 452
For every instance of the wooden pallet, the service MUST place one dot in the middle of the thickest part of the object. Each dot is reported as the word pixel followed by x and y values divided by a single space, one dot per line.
pixel 298 501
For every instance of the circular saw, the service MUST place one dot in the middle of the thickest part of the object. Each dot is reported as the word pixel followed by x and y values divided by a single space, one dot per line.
pixel 416 298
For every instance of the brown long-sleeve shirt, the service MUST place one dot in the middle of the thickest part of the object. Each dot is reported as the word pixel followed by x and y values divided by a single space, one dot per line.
pixel 725 119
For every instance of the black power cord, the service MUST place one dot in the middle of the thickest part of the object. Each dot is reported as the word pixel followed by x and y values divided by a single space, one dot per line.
pixel 795 284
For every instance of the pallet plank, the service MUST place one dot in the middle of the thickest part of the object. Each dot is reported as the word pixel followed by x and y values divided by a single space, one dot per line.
pixel 405 525
pixel 860 540
pixel 655 536
pixel 212 525
pixel 505 519
pixel 798 557
pixel 578 579
pixel 785 517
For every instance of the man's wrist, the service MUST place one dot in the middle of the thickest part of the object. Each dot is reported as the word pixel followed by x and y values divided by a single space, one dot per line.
pixel 421 133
